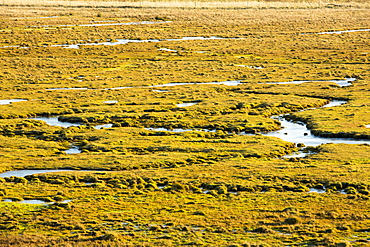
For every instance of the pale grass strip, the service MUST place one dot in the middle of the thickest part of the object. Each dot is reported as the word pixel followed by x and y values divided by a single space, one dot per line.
pixel 186 4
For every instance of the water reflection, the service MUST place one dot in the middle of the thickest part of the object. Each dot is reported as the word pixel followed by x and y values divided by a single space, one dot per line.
pixel 299 154
pixel 249 66
pixel 179 130
pixel 103 126
pixel 313 190
pixel 127 41
pixel 345 31
pixel 342 83
pixel 299 133
pixel 186 104
pixel 172 84
pixel 291 132
pixel 54 121
pixel 73 150
pixel 68 88
pixel 34 201
pixel 122 24
pixel 166 49
pixel 160 91
pixel 23 173
pixel 170 130
pixel 9 101
pixel 105 23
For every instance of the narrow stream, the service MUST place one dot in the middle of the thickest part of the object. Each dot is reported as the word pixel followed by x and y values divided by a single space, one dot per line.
pixel 34 201
pixel 341 83
pixel 298 132
pixel 106 23
pixel 53 121
pixel 126 41
pixel 291 132
pixel 171 84
pixel 102 126
pixel 23 173
pixel 9 101
pixel 345 31
pixel 121 41
pixel 179 130
pixel 73 150
pixel 249 66
pixel 187 104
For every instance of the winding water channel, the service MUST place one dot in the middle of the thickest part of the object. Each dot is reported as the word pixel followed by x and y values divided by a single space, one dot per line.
pixel 126 41
pixel 291 131
pixel 345 31
pixel 9 101
pixel 23 173
pixel 298 132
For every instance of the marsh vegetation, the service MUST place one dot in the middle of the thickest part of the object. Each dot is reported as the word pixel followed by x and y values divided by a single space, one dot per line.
pixel 146 124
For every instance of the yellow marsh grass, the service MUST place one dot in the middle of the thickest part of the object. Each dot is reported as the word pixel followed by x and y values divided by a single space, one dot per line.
pixel 193 4
pixel 135 217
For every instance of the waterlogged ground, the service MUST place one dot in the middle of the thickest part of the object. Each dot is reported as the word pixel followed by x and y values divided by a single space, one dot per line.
pixel 169 127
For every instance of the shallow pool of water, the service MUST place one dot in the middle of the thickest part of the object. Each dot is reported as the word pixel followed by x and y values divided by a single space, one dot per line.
pixel 73 150
pixel 46 17
pixel 166 49
pixel 53 121
pixel 249 66
pixel 68 88
pixel 35 201
pixel 186 104
pixel 170 130
pixel 291 132
pixel 345 31
pixel 102 126
pixel 126 41
pixel 116 88
pixel 122 23
pixel 160 91
pixel 313 190
pixel 299 154
pixel 23 173
pixel 105 23
pixel 179 130
pixel 335 103
pixel 9 101
pixel 342 83
pixel 10 46
pixel 298 133
pixel 172 84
